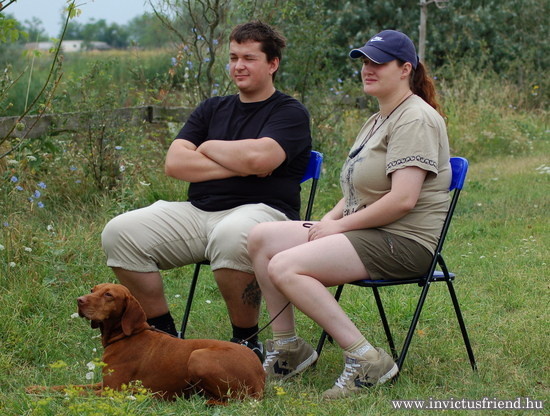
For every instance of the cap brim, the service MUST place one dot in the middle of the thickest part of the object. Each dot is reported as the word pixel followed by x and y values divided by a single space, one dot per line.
pixel 373 53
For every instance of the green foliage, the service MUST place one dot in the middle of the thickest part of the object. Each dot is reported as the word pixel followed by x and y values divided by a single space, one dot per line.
pixel 10 30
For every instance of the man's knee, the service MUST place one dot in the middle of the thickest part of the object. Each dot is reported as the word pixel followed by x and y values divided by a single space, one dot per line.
pixel 111 234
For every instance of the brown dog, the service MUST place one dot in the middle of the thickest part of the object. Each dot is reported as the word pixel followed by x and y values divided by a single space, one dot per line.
pixel 168 366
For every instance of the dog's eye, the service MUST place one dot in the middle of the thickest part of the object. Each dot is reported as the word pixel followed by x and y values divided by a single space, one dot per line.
pixel 108 295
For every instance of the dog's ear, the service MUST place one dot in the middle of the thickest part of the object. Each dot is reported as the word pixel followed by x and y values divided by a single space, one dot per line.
pixel 133 317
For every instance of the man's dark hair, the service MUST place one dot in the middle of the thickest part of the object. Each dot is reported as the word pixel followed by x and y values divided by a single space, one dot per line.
pixel 271 40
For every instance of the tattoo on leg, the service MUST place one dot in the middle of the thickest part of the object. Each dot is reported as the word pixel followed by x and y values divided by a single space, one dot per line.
pixel 252 294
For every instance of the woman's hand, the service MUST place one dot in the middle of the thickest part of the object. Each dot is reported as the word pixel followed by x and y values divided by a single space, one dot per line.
pixel 324 228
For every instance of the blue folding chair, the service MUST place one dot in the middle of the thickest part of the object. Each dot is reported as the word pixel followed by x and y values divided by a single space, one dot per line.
pixel 459 167
pixel 313 172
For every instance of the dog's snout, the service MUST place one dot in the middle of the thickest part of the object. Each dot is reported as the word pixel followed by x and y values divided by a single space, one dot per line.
pixel 81 300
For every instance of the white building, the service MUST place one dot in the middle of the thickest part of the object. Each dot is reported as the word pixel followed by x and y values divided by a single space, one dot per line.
pixel 69 46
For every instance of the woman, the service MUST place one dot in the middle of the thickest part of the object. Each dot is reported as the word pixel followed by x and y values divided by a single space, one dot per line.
pixel 395 184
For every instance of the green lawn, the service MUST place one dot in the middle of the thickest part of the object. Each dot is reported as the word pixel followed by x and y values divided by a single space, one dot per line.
pixel 497 246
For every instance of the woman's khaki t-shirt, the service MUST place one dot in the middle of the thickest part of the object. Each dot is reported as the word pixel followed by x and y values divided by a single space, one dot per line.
pixel 413 135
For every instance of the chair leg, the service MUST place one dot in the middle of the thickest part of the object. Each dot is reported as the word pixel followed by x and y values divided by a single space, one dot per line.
pixel 412 327
pixel 324 335
pixel 462 325
pixel 384 322
pixel 181 334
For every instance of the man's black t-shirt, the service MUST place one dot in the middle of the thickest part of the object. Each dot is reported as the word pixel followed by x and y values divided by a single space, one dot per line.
pixel 280 117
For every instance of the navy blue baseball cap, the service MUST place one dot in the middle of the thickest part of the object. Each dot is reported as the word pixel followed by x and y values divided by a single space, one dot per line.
pixel 387 46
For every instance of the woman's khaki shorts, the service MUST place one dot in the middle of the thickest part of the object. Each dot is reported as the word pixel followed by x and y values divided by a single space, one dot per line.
pixel 166 235
pixel 389 256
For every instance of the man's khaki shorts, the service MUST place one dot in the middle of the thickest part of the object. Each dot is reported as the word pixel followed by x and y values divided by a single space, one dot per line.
pixel 389 256
pixel 166 235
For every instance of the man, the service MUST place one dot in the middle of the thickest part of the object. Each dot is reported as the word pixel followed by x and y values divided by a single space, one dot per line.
pixel 244 156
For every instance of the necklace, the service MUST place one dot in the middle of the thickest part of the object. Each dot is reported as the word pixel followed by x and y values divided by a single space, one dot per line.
pixel 375 128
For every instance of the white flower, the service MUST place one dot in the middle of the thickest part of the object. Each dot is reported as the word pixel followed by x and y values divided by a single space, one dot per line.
pixel 122 168
pixel 90 365
pixel 49 227
pixel 74 315
pixel 209 301
pixel 90 375
pixel 28 249
pixel 31 158
pixel 12 162
pixel 12 264
pixel 131 397
pixel 177 296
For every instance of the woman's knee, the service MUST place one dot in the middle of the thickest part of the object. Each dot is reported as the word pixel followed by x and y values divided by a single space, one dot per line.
pixel 280 269
pixel 257 238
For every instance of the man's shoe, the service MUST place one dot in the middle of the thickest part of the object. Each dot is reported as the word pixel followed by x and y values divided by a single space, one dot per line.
pixel 360 373
pixel 287 360
pixel 256 346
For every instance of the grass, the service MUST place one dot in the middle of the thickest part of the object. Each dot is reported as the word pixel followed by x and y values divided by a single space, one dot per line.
pixel 497 246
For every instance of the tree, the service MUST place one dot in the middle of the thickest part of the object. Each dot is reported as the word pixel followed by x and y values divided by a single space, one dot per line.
pixel 41 102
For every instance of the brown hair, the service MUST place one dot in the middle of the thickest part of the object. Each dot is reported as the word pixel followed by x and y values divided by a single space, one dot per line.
pixel 423 85
pixel 272 42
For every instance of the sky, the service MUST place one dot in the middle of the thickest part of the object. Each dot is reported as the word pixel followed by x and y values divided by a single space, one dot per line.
pixel 49 11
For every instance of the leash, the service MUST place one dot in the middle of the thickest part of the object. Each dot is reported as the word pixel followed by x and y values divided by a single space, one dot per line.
pixel 245 341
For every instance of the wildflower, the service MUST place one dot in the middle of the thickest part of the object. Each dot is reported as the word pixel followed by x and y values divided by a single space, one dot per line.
pixel 177 296
pixel 58 364
pixel 90 375
pixel 73 168
pixel 209 301
pixel 74 315
pixel 31 158
pixel 12 264
pixel 118 147
pixel 28 249
pixel 49 228
pixel 91 365
pixel 13 162
pixel 6 224
pixel 19 188
pixel 122 168
pixel 41 185
pixel 279 391
pixel 14 179
pixel 37 194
